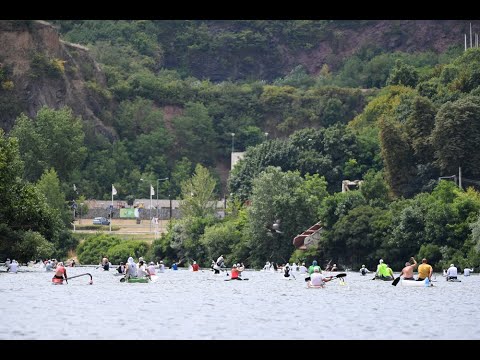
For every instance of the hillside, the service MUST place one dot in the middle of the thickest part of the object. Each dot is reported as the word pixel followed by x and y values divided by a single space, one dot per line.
pixel 38 68
pixel 173 91
pixel 266 49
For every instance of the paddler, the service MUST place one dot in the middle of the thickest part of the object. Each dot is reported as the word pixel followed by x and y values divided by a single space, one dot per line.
pixel 60 272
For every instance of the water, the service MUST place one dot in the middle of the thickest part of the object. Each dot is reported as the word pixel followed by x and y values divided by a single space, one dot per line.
pixel 187 305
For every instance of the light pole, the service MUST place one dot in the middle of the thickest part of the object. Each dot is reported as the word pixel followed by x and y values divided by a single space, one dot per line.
pixel 233 140
pixel 266 135
pixel 157 191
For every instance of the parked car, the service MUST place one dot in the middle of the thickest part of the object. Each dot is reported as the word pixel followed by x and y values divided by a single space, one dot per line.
pixel 101 221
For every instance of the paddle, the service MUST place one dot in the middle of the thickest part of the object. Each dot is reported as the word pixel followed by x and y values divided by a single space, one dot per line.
pixel 73 277
pixel 332 277
pixel 235 279
pixel 395 282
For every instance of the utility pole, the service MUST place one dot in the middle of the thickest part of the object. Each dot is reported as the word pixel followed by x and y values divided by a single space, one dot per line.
pixel 460 177
pixel 470 34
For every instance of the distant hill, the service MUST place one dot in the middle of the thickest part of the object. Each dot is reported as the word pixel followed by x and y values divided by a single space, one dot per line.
pixel 267 49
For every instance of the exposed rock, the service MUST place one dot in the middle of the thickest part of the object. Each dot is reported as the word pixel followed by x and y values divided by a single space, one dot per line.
pixel 45 70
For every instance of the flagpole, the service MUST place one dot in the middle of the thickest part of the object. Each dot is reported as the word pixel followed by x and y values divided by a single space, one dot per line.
pixel 151 187
pixel 111 208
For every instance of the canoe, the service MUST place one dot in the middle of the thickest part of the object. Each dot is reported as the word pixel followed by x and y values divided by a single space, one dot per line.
pixel 414 283
pixel 137 280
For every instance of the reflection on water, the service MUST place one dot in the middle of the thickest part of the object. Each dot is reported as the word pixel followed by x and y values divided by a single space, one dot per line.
pixel 188 305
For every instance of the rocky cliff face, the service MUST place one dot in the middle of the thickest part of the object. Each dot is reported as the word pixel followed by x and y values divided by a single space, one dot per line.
pixel 37 69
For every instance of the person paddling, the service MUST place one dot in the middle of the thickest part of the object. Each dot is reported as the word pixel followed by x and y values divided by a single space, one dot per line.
pixel 313 266
pixel 407 271
pixel 317 279
pixel 60 272
pixel 235 273
pixel 195 266
pixel 382 271
pixel 425 271
pixel 364 270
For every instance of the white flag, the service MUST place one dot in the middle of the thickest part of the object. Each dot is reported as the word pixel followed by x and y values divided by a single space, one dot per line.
pixel 114 191
pixel 152 192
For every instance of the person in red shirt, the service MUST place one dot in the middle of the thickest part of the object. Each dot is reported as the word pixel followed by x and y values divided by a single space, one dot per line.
pixel 195 266
pixel 60 273
pixel 236 271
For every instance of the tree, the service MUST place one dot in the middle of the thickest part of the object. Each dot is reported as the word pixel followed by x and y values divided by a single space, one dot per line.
pixel 276 152
pixel 403 74
pixel 198 197
pixel 456 136
pixel 375 189
pixel 419 126
pixel 49 186
pixel 27 222
pixel 396 153
pixel 276 195
pixel 195 135
pixel 53 139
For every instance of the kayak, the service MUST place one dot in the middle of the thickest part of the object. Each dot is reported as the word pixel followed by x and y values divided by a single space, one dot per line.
pixel 384 278
pixel 56 281
pixel 315 286
pixel 414 283
pixel 137 280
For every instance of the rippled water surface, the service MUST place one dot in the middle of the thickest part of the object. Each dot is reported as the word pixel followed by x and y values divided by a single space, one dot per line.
pixel 188 305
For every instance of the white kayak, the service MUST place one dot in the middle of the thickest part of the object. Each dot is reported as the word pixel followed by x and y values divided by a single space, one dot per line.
pixel 310 286
pixel 415 283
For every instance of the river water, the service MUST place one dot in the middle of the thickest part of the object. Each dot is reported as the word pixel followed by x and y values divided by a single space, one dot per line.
pixel 200 305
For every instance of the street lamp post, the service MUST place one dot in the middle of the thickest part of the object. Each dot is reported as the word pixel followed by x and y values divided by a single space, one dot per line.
pixel 266 135
pixel 233 141
pixel 157 191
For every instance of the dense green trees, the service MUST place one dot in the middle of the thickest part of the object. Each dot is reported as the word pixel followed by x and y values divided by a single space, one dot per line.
pixel 173 118
pixel 456 135
pixel 30 228
pixel 53 139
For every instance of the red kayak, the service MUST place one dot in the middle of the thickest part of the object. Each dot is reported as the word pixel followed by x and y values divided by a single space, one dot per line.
pixel 56 281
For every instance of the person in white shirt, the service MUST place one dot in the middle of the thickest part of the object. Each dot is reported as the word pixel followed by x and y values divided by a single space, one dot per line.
pixel 452 273
pixel 151 268
pixel 303 269
pixel 13 268
pixel 317 279
pixel 267 266
pixel 7 264
pixel 130 268
pixel 467 271
pixel 161 267
pixel 364 270
pixel 142 270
